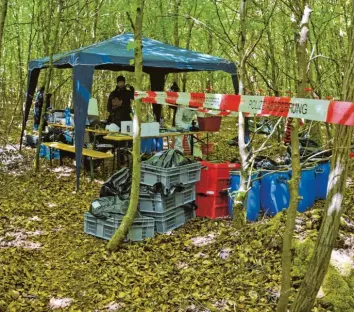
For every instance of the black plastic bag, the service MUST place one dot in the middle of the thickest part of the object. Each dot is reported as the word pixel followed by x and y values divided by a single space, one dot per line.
pixel 107 207
pixel 169 159
pixel 118 184
pixel 31 140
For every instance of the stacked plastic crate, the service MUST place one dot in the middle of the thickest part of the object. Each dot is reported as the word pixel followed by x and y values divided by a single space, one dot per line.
pixel 171 206
pixel 142 227
pixel 212 189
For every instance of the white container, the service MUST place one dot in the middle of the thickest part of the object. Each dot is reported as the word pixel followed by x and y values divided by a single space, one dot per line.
pixel 57 116
pixel 150 129
pixel 145 129
pixel 126 127
pixel 154 129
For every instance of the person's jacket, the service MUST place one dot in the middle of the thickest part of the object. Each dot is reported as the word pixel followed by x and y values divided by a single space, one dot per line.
pixel 123 112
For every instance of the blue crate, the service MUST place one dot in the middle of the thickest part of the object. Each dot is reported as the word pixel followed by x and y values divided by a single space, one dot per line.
pixel 142 227
pixel 167 221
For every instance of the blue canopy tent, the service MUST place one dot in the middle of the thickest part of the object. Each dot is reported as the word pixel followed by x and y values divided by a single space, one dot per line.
pixel 159 59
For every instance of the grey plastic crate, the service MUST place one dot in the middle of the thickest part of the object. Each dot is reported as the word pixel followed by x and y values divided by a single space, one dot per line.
pixel 142 227
pixel 159 203
pixel 189 213
pixel 168 221
pixel 150 175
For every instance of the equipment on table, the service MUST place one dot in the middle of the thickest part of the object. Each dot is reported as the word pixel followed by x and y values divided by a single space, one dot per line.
pixel 112 128
pixel 67 115
pixel 118 184
pixel 107 207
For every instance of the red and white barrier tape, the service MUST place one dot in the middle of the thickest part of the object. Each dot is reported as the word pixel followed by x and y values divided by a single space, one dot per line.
pixel 329 111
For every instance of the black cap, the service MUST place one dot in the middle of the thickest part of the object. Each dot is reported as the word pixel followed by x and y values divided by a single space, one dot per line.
pixel 120 78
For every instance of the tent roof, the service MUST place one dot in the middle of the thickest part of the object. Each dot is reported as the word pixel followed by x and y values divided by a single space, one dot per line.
pixel 112 54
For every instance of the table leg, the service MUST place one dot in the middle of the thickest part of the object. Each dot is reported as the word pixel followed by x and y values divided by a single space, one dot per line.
pixel 192 144
pixel 91 169
pixel 50 156
pixel 114 157
pixel 60 158
pixel 207 155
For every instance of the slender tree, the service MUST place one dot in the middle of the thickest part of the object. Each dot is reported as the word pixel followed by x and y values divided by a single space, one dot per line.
pixel 52 49
pixel 301 39
pixel 128 219
pixel 334 207
pixel 2 22
pixel 239 212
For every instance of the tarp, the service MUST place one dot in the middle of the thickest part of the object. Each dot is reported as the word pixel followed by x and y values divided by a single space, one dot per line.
pixel 159 59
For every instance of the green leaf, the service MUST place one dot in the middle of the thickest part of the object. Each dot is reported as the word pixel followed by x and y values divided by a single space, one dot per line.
pixel 132 62
pixel 131 45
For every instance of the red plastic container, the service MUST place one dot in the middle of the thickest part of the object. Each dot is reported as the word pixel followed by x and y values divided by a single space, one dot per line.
pixel 212 205
pixel 211 124
pixel 215 176
pixel 206 150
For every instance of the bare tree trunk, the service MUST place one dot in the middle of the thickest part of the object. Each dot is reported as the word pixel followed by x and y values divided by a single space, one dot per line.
pixel 128 219
pixel 239 214
pixel 20 72
pixel 296 170
pixel 98 5
pixel 334 209
pixel 2 22
pixel 52 48
pixel 176 6
pixel 189 36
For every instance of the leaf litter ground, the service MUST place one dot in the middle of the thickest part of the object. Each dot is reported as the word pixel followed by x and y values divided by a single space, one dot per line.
pixel 48 263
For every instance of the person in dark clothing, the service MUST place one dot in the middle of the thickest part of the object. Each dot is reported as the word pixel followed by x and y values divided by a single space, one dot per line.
pixel 120 101
pixel 38 105
pixel 174 88
pixel 49 108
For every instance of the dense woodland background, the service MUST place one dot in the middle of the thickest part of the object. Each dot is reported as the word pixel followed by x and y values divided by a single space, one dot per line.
pixel 208 26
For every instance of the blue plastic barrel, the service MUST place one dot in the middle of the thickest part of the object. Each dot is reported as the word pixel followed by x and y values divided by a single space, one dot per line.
pixel 275 195
pixel 307 189
pixel 147 145
pixel 252 202
pixel 158 144
pixel 43 150
pixel 322 176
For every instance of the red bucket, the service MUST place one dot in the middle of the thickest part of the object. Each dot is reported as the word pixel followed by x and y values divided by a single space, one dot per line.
pixel 211 124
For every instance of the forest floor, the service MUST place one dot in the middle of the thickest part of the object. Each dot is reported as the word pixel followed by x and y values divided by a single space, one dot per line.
pixel 48 263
